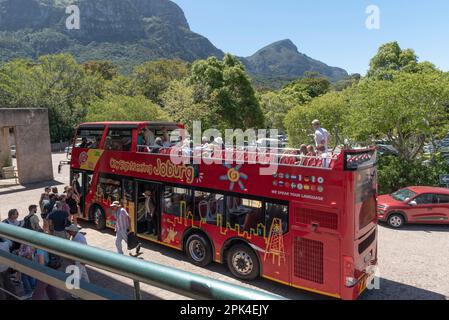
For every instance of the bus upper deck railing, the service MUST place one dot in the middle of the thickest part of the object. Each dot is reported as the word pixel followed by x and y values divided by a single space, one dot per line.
pixel 281 156
pixel 171 279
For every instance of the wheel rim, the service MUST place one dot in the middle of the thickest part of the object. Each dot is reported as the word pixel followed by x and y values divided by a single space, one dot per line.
pixel 98 216
pixel 242 263
pixel 197 250
pixel 396 221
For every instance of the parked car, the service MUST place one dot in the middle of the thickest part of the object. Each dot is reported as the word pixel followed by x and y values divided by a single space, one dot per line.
pixel 13 151
pixel 387 150
pixel 425 205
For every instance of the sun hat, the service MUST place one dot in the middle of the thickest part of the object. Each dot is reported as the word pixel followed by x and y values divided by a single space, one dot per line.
pixel 115 204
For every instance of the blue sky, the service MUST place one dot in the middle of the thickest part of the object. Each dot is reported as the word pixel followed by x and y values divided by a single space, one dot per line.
pixel 328 30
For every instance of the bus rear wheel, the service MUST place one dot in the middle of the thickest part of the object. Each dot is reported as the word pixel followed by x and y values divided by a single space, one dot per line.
pixel 243 262
pixel 99 218
pixel 198 250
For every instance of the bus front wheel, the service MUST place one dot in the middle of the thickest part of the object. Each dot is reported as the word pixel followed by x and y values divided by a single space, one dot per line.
pixel 243 262
pixel 99 218
pixel 198 250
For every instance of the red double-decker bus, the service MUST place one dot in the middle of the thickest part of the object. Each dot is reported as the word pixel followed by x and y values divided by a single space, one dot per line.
pixel 308 225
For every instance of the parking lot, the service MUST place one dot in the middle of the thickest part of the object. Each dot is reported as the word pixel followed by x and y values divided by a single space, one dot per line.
pixel 413 261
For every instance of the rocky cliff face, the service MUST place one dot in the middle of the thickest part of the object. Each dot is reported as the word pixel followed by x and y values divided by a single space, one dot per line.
pixel 130 32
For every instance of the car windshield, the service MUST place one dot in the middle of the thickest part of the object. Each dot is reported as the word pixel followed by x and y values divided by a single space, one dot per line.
pixel 403 195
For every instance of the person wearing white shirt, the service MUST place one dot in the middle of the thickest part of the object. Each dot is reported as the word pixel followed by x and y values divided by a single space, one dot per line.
pixel 5 281
pixel 77 236
pixel 321 135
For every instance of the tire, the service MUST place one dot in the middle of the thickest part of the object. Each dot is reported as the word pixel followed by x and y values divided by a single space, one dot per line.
pixel 396 221
pixel 99 218
pixel 198 250
pixel 243 262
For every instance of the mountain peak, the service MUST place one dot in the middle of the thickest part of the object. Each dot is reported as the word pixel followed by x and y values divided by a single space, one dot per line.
pixel 283 44
pixel 283 60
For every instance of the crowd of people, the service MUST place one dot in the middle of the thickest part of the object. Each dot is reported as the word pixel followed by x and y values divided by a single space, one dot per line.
pixel 59 215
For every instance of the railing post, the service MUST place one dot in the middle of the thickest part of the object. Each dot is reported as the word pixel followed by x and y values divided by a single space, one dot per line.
pixel 137 295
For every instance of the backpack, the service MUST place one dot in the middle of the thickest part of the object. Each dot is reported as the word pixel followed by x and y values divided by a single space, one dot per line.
pixel 27 222
pixel 54 261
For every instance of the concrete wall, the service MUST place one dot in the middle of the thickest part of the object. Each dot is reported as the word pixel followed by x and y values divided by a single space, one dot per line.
pixel 32 139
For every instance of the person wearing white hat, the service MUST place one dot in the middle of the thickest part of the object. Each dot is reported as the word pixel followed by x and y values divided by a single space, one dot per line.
pixel 122 223
pixel 74 232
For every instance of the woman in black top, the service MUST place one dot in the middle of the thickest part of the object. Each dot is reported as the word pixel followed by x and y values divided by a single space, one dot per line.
pixel 72 201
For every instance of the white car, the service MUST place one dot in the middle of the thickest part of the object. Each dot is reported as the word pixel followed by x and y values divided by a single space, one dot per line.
pixel 13 151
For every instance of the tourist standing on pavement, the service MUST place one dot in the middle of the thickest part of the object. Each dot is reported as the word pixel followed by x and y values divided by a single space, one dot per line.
pixel 73 202
pixel 45 198
pixel 5 275
pixel 58 221
pixel 29 283
pixel 121 225
pixel 31 221
pixel 43 258
pixel 74 233
pixel 321 135
pixel 48 208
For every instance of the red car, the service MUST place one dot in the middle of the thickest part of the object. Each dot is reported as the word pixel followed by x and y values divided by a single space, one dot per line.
pixel 428 205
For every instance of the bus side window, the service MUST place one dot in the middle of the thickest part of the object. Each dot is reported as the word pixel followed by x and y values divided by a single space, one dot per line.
pixel 119 140
pixel 208 206
pixel 246 213
pixel 177 202
pixel 279 211
pixel 88 139
pixel 109 189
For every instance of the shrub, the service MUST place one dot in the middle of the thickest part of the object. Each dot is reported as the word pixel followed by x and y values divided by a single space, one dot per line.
pixel 396 173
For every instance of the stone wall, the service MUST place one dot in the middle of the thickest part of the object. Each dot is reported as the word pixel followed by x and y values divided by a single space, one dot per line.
pixel 32 139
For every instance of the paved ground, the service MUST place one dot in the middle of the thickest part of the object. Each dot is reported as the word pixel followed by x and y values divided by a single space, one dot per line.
pixel 413 262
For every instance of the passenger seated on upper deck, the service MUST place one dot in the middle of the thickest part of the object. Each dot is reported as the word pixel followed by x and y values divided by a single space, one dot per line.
pixel 93 144
pixel 302 154
pixel 158 145
pixel 84 143
pixel 165 139
pixel 108 143
pixel 290 157
pixel 148 136
pixel 310 160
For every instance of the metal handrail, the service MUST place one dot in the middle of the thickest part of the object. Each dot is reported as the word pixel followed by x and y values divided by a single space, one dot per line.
pixel 171 279
pixel 269 155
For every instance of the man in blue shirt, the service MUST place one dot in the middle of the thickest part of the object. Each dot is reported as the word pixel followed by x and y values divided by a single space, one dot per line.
pixel 58 220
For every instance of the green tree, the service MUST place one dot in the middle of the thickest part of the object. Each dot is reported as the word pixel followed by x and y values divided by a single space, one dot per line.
pixel 106 69
pixel 55 82
pixel 303 90
pixel 152 78
pixel 180 105
pixel 409 110
pixel 331 109
pixel 123 108
pixel 224 87
pixel 275 107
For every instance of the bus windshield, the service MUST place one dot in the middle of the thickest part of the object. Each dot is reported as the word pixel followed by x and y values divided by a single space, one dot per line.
pixel 403 195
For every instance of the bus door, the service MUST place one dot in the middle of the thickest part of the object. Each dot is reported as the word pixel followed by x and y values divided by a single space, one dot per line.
pixel 148 213
pixel 315 248
pixel 81 182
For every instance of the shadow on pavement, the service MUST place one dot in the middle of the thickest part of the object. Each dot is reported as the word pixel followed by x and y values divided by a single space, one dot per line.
pixel 392 290
pixel 389 290
pixel 420 227
pixel 124 288
pixel 29 187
